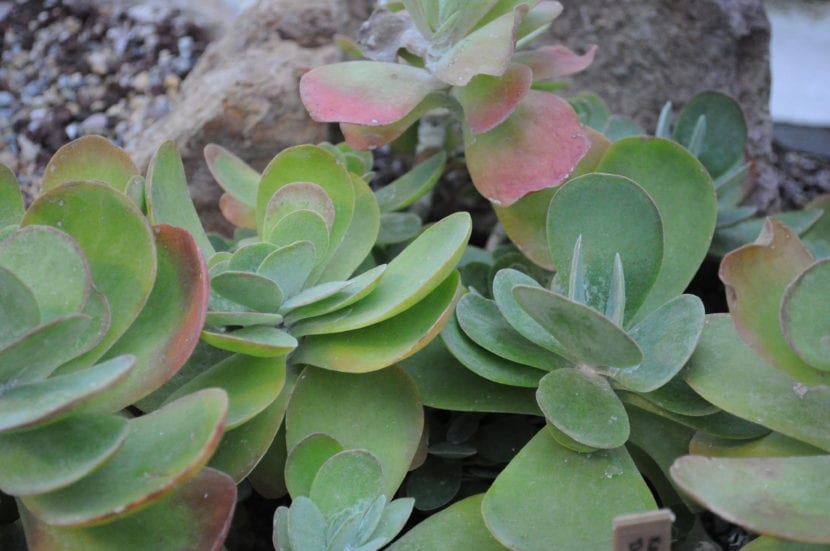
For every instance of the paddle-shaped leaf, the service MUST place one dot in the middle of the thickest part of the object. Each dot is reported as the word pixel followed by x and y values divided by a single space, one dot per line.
pixel 345 479
pixel 117 242
pixel 805 318
pixel 182 436
pixel 378 411
pixel 720 368
pixel 19 310
pixel 349 293
pixel 196 515
pixel 251 290
pixel 583 405
pixel 515 315
pixel 11 199
pixel 410 187
pixel 349 92
pixel 546 498
pixel 614 216
pixel 289 266
pixel 586 335
pixel 674 180
pixel 408 278
pixel 168 327
pixel 259 341
pixel 89 158
pixel 382 344
pixel 756 277
pixel 167 198
pixel 305 459
pixel 77 445
pixel 786 497
pixel 549 62
pixel 233 174
pixel 537 147
pixel 488 100
pixel 36 354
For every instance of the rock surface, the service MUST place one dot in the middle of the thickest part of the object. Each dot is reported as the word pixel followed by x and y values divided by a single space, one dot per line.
pixel 653 51
pixel 243 93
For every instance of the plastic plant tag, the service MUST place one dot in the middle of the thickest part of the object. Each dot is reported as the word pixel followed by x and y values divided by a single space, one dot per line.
pixel 648 531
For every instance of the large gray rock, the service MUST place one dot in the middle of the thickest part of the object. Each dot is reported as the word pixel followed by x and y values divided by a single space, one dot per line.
pixel 653 51
pixel 243 93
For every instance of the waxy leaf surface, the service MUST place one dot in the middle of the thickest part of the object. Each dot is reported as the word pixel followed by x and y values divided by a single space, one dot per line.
pixel 549 62
pixel 487 101
pixel 233 174
pixel 305 459
pixel 259 341
pixel 805 315
pixel 11 199
pixel 345 479
pixel 89 158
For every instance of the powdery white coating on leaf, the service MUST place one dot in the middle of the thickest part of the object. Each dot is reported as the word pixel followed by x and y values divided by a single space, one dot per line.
pixel 551 62
pixel 537 147
pixel 365 92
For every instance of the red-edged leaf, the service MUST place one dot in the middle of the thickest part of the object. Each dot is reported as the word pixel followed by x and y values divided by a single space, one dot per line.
pixel 365 92
pixel 241 216
pixel 551 62
pixel 488 101
pixel 369 137
pixel 537 147
pixel 756 276
pixel 196 515
pixel 167 330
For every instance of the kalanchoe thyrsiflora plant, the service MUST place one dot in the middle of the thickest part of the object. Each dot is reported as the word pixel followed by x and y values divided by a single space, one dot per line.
pixel 767 362
pixel 98 307
pixel 462 56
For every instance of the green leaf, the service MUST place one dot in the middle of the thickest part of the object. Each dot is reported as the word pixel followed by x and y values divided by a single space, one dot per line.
pixel 182 436
pixel 486 364
pixel 360 236
pixel 233 174
pixel 259 341
pixel 667 337
pixel 524 222
pixel 378 412
pixel 297 196
pixel 346 295
pixel 345 479
pixel 26 405
pixel 305 459
pixel 586 335
pixel 382 344
pixel 393 519
pixel 434 484
pixel 584 407
pixel 720 369
pixel 167 197
pixel 398 227
pixel 302 225
pixel 36 255
pixel 675 181
pixel 817 238
pixel 483 323
pixel 36 354
pixel 89 158
pixel 765 543
pixel 773 444
pixel 444 383
pixel 306 526
pixel 726 134
pixel 252 384
pixel 537 147
pixel 348 91
pixel 166 331
pixel 410 187
pixel 19 310
pixel 408 278
pixel 289 266
pixel 785 497
pixel 242 319
pixel 116 241
pixel 46 458
pixel 756 277
pixel 196 515
pixel 614 216
pixel 742 233
pixel 805 317
pixel 547 497
pixel 11 199
pixel 459 526
pixel 678 397
pixel 251 290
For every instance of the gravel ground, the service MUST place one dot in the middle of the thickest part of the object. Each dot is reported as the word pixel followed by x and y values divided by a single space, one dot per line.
pixel 72 67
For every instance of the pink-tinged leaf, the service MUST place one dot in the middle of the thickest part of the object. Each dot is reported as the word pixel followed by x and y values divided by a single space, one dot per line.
pixel 167 330
pixel 365 137
pixel 551 62
pixel 485 51
pixel 241 216
pixel 196 515
pixel 365 92
pixel 756 276
pixel 89 158
pixel 537 147
pixel 488 101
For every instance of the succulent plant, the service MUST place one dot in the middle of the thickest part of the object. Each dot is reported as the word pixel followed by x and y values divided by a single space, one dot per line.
pixel 767 362
pixel 100 306
pixel 462 56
